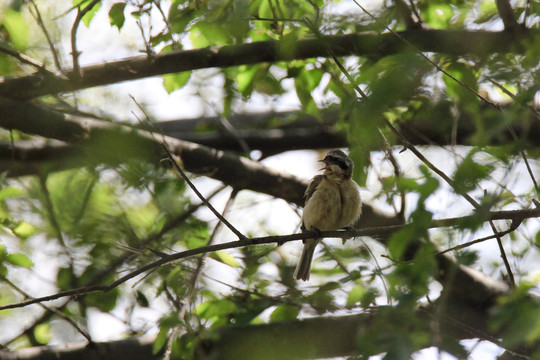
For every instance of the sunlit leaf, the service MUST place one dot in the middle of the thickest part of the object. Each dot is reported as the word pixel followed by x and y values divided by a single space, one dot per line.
pixel 19 259
pixel 172 82
pixel 438 15
pixel 215 308
pixel 355 295
pixel 24 230
pixel 17 28
pixel 225 258
pixel 91 13
pixel 10 191
pixel 160 340
pixel 42 333
pixel 284 312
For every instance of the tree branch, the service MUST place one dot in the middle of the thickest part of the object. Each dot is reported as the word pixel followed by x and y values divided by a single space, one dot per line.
pixel 507 15
pixel 135 348
pixel 407 15
pixel 368 333
pixel 295 131
pixel 486 289
pixel 454 42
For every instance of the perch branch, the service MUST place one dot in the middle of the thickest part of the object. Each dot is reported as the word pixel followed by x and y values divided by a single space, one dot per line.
pixel 514 215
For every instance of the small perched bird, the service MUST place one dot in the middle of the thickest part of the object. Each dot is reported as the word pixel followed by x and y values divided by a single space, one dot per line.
pixel 332 202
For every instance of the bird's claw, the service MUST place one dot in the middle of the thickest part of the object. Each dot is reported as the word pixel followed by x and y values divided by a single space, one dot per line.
pixel 346 228
pixel 316 231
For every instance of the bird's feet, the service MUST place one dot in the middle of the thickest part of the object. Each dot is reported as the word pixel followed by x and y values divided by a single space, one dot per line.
pixel 346 228
pixel 316 231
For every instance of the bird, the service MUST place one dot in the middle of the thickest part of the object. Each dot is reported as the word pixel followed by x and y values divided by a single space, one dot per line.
pixel 332 202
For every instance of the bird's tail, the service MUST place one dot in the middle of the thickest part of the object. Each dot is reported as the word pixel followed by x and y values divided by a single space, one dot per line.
pixel 304 265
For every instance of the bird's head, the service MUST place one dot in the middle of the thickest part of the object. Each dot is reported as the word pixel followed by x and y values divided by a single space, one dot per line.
pixel 338 164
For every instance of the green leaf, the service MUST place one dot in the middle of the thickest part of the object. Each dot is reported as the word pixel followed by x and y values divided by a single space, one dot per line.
pixel 172 82
pixel 89 16
pixel 284 312
pixel 438 15
pixel 180 17
pixel 104 301
pixel 42 333
pixel 3 255
pixel 216 308
pixel 161 340
pixel 10 191
pixel 469 173
pixel 63 278
pixel 487 11
pixel 16 26
pixel 225 258
pixel 518 317
pixel 245 79
pixel 116 15
pixel 24 230
pixel 355 295
pixel 141 298
pixel 19 259
pixel 305 83
pixel 465 74
pixel 205 33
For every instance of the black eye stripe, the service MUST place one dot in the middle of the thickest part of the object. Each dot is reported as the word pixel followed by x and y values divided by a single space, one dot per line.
pixel 334 160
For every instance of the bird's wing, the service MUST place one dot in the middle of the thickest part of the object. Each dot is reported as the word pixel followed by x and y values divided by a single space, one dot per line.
pixel 312 187
pixel 313 184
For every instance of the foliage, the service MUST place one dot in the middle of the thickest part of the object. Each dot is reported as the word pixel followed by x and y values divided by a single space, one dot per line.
pixel 97 223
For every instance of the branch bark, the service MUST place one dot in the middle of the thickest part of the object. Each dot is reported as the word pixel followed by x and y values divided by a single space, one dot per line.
pixel 368 333
pixel 132 348
pixel 454 42
pixel 296 130
pixel 507 15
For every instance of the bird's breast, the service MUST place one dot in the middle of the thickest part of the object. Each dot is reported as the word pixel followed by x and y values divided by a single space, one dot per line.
pixel 332 206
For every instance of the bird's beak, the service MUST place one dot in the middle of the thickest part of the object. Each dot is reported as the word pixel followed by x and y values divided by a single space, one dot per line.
pixel 325 164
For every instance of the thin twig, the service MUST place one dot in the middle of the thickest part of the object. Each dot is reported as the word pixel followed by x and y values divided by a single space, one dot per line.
pixel 41 24
pixel 74 51
pixel 407 14
pixel 512 227
pixel 48 308
pixel 200 262
pixel 173 223
pixel 514 215
pixel 378 271
pixel 322 41
pixel 513 133
pixel 24 59
pixel 420 156
pixel 174 44
pixel 196 191
pixel 49 208
pixel 397 173
pixel 437 66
